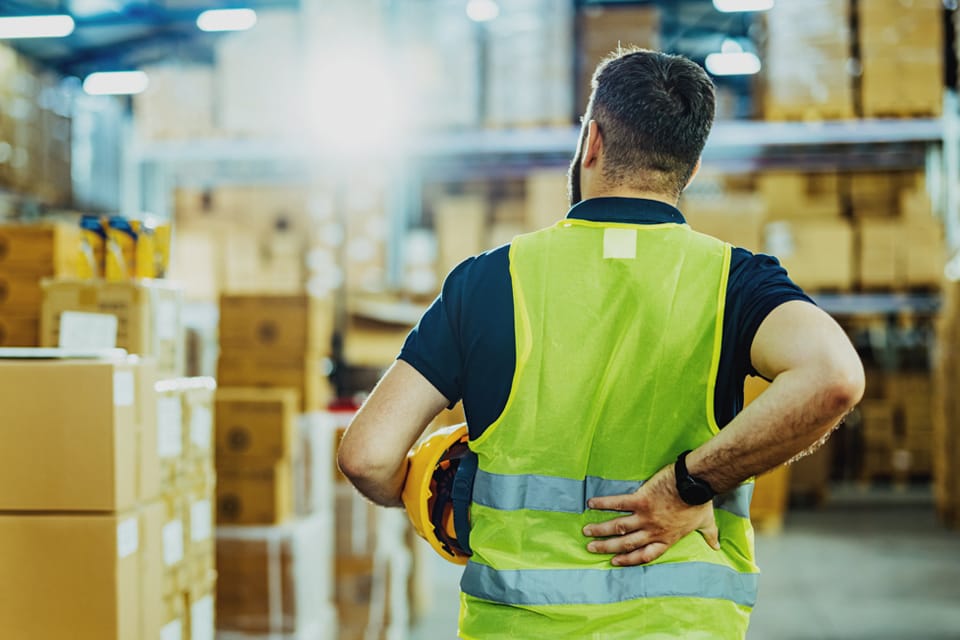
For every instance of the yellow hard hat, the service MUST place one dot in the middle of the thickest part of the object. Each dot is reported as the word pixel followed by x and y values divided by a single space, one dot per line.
pixel 428 493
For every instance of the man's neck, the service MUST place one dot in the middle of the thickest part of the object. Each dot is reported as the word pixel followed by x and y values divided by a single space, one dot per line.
pixel 632 193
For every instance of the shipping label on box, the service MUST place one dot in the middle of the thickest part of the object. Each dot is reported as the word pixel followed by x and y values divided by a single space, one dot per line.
pixel 256 423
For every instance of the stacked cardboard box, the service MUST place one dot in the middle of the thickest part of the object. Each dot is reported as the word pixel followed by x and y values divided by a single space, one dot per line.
pixel 901 56
pixel 526 87
pixel 275 577
pixel 148 317
pixel 84 507
pixel 945 440
pixel 603 29
pixel 28 254
pixel 807 75
pixel 897 429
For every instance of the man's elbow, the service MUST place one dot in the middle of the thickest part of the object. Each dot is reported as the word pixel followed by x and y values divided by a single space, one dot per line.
pixel 358 465
pixel 843 386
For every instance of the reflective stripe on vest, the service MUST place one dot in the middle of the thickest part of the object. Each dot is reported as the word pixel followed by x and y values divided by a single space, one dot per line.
pixel 566 495
pixel 602 586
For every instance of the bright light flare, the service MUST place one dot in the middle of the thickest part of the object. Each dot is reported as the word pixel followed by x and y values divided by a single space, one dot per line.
pixel 56 26
pixel 227 20
pixel 116 83
pixel 482 10
pixel 733 61
pixel 739 6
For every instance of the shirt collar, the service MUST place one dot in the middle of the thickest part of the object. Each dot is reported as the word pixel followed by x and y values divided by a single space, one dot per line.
pixel 628 210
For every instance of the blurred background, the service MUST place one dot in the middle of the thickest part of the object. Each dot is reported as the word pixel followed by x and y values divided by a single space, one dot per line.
pixel 260 198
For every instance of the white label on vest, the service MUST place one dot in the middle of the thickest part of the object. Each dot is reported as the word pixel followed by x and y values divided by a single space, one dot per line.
pixel 172 630
pixel 128 538
pixel 201 428
pixel 201 619
pixel 123 389
pixel 201 520
pixel 169 426
pixel 620 243
pixel 172 543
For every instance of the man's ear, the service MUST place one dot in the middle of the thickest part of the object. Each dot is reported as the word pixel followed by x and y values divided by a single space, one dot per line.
pixel 693 174
pixel 593 145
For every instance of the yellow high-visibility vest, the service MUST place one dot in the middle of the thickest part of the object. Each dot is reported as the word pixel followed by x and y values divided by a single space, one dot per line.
pixel 618 335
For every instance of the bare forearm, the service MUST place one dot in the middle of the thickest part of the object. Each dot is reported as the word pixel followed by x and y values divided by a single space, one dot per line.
pixel 796 411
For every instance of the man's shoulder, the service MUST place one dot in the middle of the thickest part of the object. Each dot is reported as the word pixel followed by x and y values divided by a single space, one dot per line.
pixel 488 266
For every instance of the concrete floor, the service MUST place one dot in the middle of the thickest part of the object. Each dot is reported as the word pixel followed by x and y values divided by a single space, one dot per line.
pixel 867 566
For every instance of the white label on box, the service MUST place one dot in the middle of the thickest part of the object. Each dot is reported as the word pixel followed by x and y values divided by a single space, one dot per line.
pixel 201 619
pixel 169 426
pixel 173 543
pixel 128 538
pixel 166 320
pixel 172 631
pixel 201 520
pixel 124 389
pixel 201 428
pixel 80 330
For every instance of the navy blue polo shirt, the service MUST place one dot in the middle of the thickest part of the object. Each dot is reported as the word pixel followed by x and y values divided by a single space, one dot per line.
pixel 465 344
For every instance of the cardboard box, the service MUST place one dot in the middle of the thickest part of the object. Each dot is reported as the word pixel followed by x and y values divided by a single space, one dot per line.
pixel 461 223
pixel 818 254
pixel 93 449
pixel 278 324
pixel 164 529
pixel 276 579
pixel 19 330
pixel 20 293
pixel 547 199
pixel 924 252
pixel 734 219
pixel 201 611
pixel 278 371
pixel 370 343
pixel 149 316
pixel 41 250
pixel 200 497
pixel 88 565
pixel 879 259
pixel 198 406
pixel 256 423
pixel 254 494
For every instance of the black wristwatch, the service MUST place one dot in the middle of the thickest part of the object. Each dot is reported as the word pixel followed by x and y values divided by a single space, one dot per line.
pixel 692 490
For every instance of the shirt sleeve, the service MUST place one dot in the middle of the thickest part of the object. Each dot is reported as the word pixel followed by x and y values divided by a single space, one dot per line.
pixel 433 346
pixel 758 285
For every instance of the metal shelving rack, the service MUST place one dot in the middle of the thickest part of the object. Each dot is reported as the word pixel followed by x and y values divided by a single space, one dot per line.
pixel 153 169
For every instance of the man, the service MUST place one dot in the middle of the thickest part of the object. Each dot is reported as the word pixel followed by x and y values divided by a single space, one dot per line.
pixel 601 364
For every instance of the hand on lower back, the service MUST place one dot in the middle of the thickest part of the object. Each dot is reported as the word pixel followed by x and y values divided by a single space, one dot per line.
pixel 655 519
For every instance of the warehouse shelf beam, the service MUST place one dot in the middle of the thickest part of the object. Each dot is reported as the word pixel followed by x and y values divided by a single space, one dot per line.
pixel 852 304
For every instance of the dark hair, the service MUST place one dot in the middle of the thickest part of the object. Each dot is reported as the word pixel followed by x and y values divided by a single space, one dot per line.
pixel 654 112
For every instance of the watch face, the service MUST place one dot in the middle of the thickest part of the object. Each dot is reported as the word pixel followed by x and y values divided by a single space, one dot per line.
pixel 693 493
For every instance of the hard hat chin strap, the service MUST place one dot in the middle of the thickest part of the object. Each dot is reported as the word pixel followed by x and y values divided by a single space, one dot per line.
pixel 462 496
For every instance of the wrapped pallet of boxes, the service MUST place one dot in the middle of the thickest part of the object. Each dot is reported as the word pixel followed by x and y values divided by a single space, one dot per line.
pixel 148 316
pixel 276 341
pixel 807 75
pixel 460 223
pixel 793 195
pixel 276 581
pixel 737 219
pixel 547 198
pixel 29 254
pixel 818 254
pixel 901 56
pixel 178 104
pixel 75 494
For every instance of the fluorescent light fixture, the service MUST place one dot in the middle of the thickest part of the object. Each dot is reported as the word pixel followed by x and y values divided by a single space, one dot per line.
pixel 115 83
pixel 227 20
pixel 737 6
pixel 733 64
pixel 57 26
pixel 482 10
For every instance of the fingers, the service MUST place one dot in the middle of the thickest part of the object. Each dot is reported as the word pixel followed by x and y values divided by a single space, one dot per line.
pixel 616 527
pixel 646 554
pixel 710 532
pixel 622 544
pixel 626 502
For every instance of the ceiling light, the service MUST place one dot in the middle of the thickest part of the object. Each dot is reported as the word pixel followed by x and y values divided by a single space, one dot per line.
pixel 115 83
pixel 57 26
pixel 736 6
pixel 482 10
pixel 733 64
pixel 227 20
